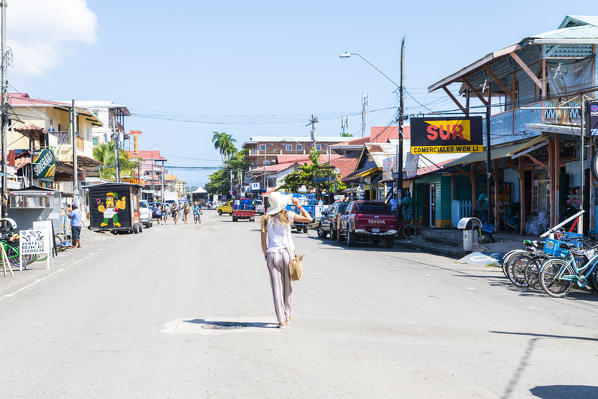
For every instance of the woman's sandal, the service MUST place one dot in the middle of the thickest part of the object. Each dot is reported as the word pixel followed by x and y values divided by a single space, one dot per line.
pixel 287 321
pixel 281 325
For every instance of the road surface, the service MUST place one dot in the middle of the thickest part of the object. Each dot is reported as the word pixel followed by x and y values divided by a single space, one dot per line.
pixel 186 312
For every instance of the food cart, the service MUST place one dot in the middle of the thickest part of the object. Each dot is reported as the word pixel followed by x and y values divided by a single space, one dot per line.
pixel 115 207
pixel 32 204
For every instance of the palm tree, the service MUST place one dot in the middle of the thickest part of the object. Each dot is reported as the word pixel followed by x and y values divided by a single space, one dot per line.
pixel 105 154
pixel 225 144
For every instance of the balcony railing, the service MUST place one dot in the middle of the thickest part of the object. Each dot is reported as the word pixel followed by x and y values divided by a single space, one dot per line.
pixel 511 125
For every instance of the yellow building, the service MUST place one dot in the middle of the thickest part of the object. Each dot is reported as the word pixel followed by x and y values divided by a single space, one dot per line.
pixel 37 123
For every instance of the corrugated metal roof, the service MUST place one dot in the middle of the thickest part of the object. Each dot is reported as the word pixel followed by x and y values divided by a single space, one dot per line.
pixel 576 33
pixel 577 20
pixel 496 153
pixel 294 139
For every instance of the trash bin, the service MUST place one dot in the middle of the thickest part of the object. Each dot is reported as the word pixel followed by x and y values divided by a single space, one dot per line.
pixel 470 233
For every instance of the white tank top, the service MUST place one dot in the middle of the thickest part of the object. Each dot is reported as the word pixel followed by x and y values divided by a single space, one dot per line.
pixel 279 235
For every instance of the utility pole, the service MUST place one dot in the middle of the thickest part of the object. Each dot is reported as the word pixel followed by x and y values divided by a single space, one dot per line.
pixel 162 181
pixel 313 122
pixel 4 107
pixel 74 142
pixel 490 214
pixel 264 166
pixel 231 184
pixel 154 178
pixel 115 138
pixel 582 155
pixel 400 123
pixel 364 104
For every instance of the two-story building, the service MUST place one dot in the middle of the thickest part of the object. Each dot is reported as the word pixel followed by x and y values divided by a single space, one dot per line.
pixel 37 123
pixel 534 90
pixel 262 150
pixel 112 116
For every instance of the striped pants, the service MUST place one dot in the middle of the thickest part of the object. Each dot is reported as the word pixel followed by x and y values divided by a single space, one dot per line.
pixel 280 280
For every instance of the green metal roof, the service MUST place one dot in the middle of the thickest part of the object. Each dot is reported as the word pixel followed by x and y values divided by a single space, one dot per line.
pixel 573 34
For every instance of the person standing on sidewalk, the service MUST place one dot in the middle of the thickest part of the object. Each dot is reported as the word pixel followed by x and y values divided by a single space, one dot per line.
pixel 75 215
pixel 278 247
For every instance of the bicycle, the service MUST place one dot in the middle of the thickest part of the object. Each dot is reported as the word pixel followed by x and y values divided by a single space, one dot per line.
pixel 557 276
pixel 406 230
pixel 62 241
pixel 197 217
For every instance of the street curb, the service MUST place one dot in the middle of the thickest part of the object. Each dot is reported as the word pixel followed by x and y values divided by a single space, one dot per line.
pixel 431 247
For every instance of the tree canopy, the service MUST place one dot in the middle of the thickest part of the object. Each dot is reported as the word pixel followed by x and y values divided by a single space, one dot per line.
pixel 225 144
pixel 314 176
pixel 105 154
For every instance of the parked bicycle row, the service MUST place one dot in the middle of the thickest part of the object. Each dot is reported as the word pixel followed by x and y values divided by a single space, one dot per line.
pixel 555 265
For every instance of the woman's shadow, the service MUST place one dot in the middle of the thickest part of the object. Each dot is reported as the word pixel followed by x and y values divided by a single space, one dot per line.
pixel 229 325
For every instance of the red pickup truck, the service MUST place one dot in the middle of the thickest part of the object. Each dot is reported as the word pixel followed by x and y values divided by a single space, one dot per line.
pixel 243 209
pixel 368 221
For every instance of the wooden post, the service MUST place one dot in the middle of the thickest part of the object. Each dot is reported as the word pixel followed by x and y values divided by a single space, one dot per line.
pixel 496 176
pixel 473 192
pixel 521 197
pixel 551 180
pixel 557 177
pixel 544 81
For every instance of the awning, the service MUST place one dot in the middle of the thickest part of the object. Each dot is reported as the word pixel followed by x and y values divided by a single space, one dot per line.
pixel 558 129
pixel 368 172
pixel 497 153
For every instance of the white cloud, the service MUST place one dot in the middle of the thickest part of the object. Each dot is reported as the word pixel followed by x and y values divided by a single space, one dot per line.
pixel 39 31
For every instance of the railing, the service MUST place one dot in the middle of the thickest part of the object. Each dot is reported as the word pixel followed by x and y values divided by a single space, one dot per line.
pixel 511 125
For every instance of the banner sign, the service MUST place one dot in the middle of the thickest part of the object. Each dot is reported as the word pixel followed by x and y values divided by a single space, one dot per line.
pixel 593 123
pixel 131 180
pixel 388 167
pixel 35 242
pixel 255 187
pixel 44 164
pixel 446 135
pixel 411 164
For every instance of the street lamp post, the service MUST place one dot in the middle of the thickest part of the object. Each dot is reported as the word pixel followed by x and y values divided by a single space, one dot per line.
pixel 400 118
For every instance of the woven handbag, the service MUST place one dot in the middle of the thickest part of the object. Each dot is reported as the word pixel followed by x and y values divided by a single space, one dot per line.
pixel 296 263
pixel 296 267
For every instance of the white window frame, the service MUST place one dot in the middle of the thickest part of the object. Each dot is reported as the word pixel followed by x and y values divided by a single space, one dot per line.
pixel 262 147
pixel 319 147
pixel 299 147
pixel 289 147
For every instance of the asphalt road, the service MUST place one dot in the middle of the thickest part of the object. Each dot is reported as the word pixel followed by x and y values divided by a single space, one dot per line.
pixel 186 312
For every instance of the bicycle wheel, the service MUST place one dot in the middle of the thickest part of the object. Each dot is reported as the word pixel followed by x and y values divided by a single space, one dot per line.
pixel 409 231
pixel 550 278
pixel 531 272
pixel 13 255
pixel 515 269
pixel 508 258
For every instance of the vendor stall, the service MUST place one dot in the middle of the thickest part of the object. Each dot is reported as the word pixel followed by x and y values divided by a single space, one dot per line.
pixel 114 207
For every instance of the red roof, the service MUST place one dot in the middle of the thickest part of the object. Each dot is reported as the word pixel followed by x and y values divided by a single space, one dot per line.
pixel 275 168
pixel 24 99
pixel 303 158
pixel 346 166
pixel 379 134
pixel 147 155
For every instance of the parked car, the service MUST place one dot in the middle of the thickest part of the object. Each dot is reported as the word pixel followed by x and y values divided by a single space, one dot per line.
pixel 243 209
pixel 260 209
pixel 145 213
pixel 227 207
pixel 330 219
pixel 368 221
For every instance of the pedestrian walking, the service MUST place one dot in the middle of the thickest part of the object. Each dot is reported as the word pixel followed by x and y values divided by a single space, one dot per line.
pixel 175 213
pixel 165 213
pixel 158 212
pixel 186 210
pixel 277 246
pixel 74 213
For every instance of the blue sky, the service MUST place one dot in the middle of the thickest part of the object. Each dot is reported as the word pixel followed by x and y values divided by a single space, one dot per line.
pixel 217 62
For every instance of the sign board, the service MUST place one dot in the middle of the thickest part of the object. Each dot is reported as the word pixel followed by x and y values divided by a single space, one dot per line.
pixel 132 180
pixel 411 163
pixel 446 135
pixel 255 187
pixel 593 122
pixel 388 167
pixel 44 163
pixel 35 242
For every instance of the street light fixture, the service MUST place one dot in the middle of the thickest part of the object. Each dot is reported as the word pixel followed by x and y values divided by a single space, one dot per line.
pixel 399 188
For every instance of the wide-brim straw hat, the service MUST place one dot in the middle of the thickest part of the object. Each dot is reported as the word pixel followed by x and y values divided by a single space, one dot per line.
pixel 278 202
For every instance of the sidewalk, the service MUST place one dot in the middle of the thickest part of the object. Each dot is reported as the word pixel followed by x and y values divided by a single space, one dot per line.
pixel 36 272
pixel 450 242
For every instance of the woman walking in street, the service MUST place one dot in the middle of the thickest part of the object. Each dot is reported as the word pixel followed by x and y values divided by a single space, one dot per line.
pixel 175 213
pixel 186 210
pixel 278 247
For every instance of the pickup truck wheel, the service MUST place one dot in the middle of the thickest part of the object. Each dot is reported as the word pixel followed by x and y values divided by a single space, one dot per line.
pixel 305 229
pixel 333 234
pixel 234 219
pixel 389 242
pixel 350 239
pixel 376 242
pixel 219 212
pixel 321 233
